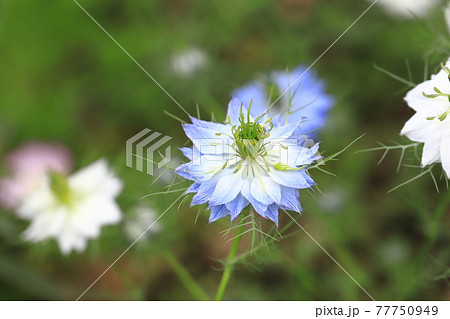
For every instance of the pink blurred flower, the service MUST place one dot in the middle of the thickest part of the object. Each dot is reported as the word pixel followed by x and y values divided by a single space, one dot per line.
pixel 28 165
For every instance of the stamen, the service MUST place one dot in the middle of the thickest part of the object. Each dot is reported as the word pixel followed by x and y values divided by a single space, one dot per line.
pixel 249 135
pixel 438 94
pixel 287 168
pixel 441 117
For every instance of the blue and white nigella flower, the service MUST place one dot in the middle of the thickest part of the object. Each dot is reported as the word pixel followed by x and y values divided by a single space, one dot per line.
pixel 305 99
pixel 248 160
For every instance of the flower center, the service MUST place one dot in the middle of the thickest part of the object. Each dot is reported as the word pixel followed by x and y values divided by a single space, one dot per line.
pixel 249 139
pixel 249 135
pixel 60 188
pixel 251 132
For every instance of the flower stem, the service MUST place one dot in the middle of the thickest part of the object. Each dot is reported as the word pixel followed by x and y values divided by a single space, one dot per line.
pixel 434 225
pixel 185 277
pixel 229 266
pixel 431 232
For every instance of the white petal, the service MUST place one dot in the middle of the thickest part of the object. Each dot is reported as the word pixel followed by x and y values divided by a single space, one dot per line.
pixel 433 106
pixel 431 152
pixel 294 179
pixel 417 128
pixel 265 190
pixel 67 241
pixel 208 141
pixel 283 132
pixel 408 8
pixel 80 244
pixel 259 207
pixel 216 127
pixel 96 178
pixel 420 103
pixel 205 167
pixel 36 202
pixel 292 155
pixel 48 223
pixel 445 153
pixel 227 188
pixel 94 213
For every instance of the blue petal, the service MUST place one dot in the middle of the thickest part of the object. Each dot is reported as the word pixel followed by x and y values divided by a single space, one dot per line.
pixel 278 120
pixel 300 156
pixel 272 213
pixel 217 212
pixel 310 125
pixel 255 93
pixel 308 178
pixel 290 199
pixel 193 188
pixel 234 110
pixel 204 193
pixel 307 97
pixel 236 206
pixel 185 171
pixel 187 151
pixel 217 127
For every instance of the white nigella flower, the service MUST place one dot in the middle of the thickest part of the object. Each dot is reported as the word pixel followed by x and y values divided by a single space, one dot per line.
pixel 407 8
pixel 447 16
pixel 72 209
pixel 249 160
pixel 27 165
pixel 138 220
pixel 188 62
pixel 431 123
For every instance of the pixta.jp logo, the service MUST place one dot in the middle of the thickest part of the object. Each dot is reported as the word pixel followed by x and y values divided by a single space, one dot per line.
pixel 142 147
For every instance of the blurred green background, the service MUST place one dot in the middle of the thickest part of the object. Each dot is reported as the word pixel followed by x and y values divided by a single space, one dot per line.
pixel 62 79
